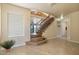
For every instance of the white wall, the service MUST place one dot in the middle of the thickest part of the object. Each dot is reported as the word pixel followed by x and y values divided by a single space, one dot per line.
pixel 12 9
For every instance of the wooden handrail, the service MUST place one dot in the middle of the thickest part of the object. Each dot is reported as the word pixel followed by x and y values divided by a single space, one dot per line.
pixel 44 25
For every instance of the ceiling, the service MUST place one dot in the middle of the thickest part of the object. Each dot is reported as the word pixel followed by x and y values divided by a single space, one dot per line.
pixel 35 6
pixel 54 8
pixel 64 8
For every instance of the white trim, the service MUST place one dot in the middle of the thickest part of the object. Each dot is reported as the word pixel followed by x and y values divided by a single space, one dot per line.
pixel 68 35
pixel 73 41
pixel 52 38
pixel 17 36
pixel 18 45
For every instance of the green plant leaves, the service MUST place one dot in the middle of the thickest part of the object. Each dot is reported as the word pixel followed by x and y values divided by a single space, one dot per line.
pixel 7 44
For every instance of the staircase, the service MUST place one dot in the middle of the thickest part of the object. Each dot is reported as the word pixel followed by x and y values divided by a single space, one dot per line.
pixel 38 38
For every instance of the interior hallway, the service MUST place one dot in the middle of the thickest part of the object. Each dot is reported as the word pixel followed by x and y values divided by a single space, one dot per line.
pixel 52 47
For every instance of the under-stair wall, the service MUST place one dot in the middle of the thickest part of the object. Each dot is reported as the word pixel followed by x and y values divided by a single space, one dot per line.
pixel 51 31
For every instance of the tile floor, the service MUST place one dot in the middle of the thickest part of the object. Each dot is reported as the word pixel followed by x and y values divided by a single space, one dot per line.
pixel 52 47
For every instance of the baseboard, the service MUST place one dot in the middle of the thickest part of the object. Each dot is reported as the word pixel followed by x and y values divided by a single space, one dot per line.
pixel 52 38
pixel 55 37
pixel 73 41
pixel 18 45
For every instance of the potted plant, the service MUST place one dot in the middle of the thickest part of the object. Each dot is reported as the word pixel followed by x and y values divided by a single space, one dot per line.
pixel 7 44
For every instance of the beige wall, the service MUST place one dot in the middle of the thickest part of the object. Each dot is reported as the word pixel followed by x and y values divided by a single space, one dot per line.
pixel 74 26
pixel 0 21
pixel 8 8
pixel 51 31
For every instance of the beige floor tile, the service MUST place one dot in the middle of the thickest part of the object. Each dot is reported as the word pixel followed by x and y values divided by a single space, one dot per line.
pixel 52 47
